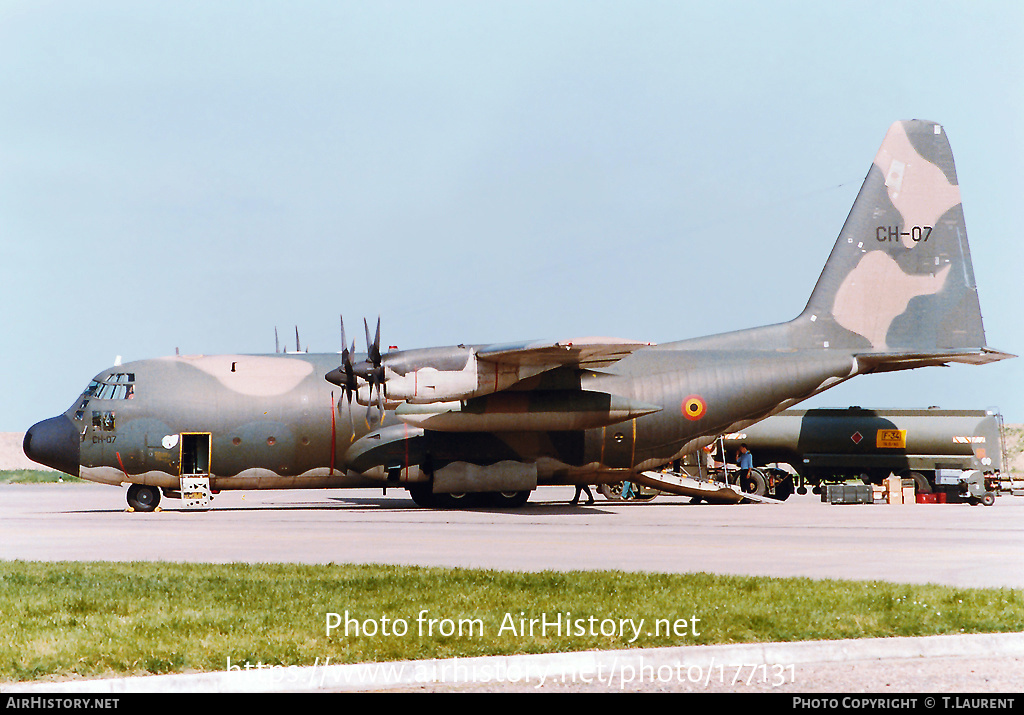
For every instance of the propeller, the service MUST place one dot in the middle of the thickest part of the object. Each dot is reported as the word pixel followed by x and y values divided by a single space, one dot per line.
pixel 370 370
pixel 346 372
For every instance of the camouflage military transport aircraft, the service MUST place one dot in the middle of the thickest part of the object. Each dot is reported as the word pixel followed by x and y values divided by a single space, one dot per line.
pixel 471 423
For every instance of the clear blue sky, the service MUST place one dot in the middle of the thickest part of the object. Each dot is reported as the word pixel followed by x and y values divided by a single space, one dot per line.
pixel 192 174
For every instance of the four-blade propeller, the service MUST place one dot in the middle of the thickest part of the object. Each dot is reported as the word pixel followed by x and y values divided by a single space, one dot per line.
pixel 370 371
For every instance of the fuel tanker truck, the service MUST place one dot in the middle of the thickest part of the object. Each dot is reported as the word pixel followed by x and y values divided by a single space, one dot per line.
pixel 956 452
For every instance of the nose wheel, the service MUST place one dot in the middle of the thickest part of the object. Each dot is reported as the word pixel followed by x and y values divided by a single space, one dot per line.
pixel 142 497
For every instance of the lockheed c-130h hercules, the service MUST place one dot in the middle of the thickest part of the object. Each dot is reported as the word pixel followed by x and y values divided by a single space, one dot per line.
pixel 458 425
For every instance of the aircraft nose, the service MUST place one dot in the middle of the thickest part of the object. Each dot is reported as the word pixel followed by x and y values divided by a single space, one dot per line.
pixel 55 443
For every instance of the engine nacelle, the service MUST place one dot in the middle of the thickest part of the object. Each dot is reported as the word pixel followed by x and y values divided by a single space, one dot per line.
pixel 425 383
pixel 429 384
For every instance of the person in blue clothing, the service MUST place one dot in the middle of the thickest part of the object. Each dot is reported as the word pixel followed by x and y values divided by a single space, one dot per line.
pixel 627 491
pixel 745 460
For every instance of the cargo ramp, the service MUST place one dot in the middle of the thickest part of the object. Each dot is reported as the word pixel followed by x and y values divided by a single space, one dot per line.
pixel 683 484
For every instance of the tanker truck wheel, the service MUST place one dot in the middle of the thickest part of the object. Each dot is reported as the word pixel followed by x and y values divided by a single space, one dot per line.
pixel 921 485
pixel 784 489
pixel 989 499
pixel 754 483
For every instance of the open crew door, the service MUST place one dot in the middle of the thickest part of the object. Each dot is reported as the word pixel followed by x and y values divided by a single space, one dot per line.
pixel 195 453
pixel 195 470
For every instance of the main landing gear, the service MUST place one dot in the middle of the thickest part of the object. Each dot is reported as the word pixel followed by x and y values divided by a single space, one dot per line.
pixel 423 496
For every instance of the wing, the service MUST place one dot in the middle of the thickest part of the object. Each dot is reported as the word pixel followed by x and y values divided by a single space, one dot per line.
pixel 462 372
pixel 587 353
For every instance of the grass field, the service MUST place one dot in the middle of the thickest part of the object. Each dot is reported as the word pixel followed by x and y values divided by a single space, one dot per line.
pixel 102 619
pixel 36 476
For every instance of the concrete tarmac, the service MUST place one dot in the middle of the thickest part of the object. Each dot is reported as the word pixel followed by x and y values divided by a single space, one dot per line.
pixel 952 544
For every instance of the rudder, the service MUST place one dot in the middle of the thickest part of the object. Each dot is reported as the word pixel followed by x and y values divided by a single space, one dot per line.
pixel 900 278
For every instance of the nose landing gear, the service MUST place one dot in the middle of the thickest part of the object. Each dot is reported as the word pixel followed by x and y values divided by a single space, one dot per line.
pixel 142 497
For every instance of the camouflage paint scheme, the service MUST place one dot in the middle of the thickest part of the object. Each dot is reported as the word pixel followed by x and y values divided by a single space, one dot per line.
pixel 897 292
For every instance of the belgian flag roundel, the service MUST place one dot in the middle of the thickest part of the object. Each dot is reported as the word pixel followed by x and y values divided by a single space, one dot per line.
pixel 694 407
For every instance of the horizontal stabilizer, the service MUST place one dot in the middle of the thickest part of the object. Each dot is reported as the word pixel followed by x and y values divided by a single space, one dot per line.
pixel 883 362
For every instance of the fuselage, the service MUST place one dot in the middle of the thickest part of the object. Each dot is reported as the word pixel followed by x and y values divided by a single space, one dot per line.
pixel 273 421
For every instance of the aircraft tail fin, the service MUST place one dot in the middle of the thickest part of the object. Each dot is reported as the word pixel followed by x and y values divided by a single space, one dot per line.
pixel 899 280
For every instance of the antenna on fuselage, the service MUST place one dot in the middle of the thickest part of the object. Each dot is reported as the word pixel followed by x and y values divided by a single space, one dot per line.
pixel 286 351
pixel 298 346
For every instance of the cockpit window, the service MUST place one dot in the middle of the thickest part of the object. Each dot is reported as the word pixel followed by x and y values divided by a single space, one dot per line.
pixel 117 386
